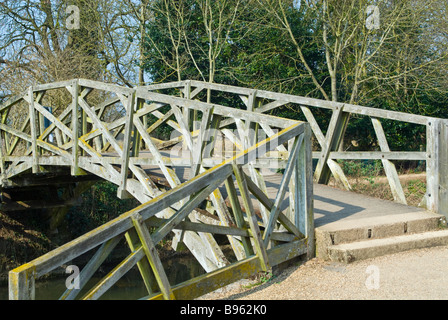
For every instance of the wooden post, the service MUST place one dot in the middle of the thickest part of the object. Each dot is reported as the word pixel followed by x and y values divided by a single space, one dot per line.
pixel 436 166
pixel 304 191
pixel 151 253
pixel 22 283
pixel 186 111
pixel 260 249
pixel 75 128
pixel 33 129
pixel 2 159
pixel 143 265
pixel 129 127
pixel 275 211
pixel 389 167
pixel 238 214
pixel 333 139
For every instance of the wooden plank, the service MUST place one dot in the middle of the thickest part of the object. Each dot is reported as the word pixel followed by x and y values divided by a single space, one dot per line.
pixel 52 86
pixel 436 169
pixel 15 169
pixel 287 251
pixel 201 227
pixel 186 111
pixel 33 128
pixel 112 174
pixel 2 157
pixel 143 265
pixel 312 102
pixel 234 139
pixel 129 127
pixel 160 121
pixel 22 283
pixel 112 277
pixel 378 155
pixel 238 214
pixel 121 224
pixel 92 84
pixel 88 271
pixel 100 126
pixel 186 209
pixel 144 180
pixel 225 220
pixel 169 85
pixel 243 269
pixel 389 167
pixel 74 89
pixel 218 109
pixel 282 189
pixel 260 249
pixel 265 201
pixel 215 227
pixel 333 139
pixel 13 144
pixel 304 183
pixel 314 125
pixel 443 169
pixel 154 259
pixel 12 101
pixel 212 136
pixel 201 140
pixel 183 127
pixel 211 281
pixel 169 174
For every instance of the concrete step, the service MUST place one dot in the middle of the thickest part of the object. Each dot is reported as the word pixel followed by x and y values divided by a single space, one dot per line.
pixel 329 236
pixel 361 250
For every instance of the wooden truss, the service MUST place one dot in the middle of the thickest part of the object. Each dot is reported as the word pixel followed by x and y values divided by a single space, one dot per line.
pixel 224 152
pixel 121 150
pixel 329 139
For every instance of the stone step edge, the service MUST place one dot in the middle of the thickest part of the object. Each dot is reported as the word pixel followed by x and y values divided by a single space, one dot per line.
pixel 361 250
pixel 380 227
pixel 375 228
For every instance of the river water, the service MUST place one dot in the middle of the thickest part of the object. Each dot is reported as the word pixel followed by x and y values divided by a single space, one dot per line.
pixel 129 287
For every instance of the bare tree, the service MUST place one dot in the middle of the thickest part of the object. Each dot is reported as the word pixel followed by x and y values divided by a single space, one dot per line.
pixel 351 47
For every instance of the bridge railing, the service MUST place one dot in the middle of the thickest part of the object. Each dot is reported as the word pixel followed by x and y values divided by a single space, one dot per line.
pixel 285 234
pixel 89 127
pixel 329 139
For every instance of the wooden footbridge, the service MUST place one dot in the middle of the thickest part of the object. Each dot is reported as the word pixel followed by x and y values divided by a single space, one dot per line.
pixel 209 178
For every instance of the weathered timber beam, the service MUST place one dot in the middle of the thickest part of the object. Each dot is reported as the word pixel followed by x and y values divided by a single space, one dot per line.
pixel 113 276
pixel 123 223
pixel 361 110
pixel 218 109
pixel 211 281
pixel 378 155
pixel 152 256
pixel 389 167
pixel 91 267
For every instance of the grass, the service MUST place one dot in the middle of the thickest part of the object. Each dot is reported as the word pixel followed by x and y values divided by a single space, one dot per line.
pixel 369 179
pixel 260 279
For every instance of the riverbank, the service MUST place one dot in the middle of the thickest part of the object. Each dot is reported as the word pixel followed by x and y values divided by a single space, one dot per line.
pixel 21 240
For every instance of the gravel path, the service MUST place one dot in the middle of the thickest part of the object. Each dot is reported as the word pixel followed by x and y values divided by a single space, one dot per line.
pixel 416 274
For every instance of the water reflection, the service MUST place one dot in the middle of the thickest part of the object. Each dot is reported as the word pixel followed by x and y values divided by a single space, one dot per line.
pixel 129 287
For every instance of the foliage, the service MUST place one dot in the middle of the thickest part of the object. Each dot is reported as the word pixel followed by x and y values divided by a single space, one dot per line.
pixel 99 205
